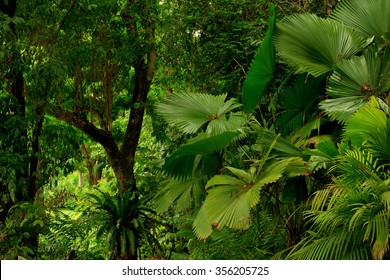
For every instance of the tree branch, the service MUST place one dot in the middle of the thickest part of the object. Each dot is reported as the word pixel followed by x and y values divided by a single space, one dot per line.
pixel 54 39
pixel 99 135
pixel 144 72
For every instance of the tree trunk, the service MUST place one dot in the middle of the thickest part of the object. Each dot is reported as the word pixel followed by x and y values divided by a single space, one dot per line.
pixel 91 178
pixel 34 163
pixel 122 159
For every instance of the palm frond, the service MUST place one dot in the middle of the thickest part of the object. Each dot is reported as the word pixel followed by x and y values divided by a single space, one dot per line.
pixel 353 82
pixel 235 122
pixel 190 111
pixel 337 245
pixel 261 69
pixel 342 108
pixel 314 45
pixel 371 125
pixel 367 17
pixel 180 164
pixel 186 193
pixel 282 147
pixel 298 102
pixel 230 198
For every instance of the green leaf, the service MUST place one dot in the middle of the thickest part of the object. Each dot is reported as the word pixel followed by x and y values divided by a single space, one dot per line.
pixel 353 81
pixel 38 222
pixel 190 111
pixel 298 102
pixel 370 124
pixel 184 192
pixel 230 199
pixel 180 164
pixel 367 17
pixel 314 45
pixel 221 180
pixel 281 146
pixel 261 69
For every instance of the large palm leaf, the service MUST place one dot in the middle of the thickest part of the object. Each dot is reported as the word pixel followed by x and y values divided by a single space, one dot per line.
pixel 367 17
pixel 349 221
pixel 350 218
pixel 262 68
pixel 191 111
pixel 370 126
pixel 298 102
pixel 201 152
pixel 231 198
pixel 313 45
pixel 185 194
pixel 354 81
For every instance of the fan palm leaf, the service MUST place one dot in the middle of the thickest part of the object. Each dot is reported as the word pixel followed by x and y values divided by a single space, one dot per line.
pixel 314 45
pixel 367 17
pixel 230 198
pixel 186 194
pixel 353 82
pixel 370 125
pixel 281 147
pixel 350 218
pixel 183 162
pixel 189 112
pixel 261 69
pixel 298 102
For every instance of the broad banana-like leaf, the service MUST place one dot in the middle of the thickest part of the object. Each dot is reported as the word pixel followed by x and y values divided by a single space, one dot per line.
pixel 189 112
pixel 367 17
pixel 261 69
pixel 314 45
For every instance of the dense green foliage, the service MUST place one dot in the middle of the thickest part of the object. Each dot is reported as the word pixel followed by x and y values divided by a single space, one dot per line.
pixel 194 129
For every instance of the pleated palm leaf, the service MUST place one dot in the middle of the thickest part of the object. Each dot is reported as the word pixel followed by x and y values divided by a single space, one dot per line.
pixel 190 112
pixel 200 155
pixel 314 45
pixel 183 194
pixel 298 103
pixel 354 81
pixel 350 218
pixel 370 127
pixel 367 17
pixel 230 198
pixel 189 167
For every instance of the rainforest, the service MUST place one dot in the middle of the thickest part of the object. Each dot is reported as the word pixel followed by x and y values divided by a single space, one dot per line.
pixel 194 130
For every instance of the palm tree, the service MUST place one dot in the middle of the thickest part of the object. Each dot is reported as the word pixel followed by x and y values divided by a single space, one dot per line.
pixel 350 219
